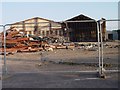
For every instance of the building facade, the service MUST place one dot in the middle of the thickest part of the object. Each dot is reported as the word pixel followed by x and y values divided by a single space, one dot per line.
pixel 113 35
pixel 40 27
pixel 118 34
pixel 69 29
pixel 82 31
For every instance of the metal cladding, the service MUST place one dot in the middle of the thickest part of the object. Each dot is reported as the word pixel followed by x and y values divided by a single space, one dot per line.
pixel 83 29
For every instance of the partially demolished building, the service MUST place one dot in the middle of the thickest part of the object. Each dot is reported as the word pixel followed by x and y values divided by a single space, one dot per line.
pixel 72 31
pixel 39 27
pixel 82 31
pixel 69 31
pixel 38 34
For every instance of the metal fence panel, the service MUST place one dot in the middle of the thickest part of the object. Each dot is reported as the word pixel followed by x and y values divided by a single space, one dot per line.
pixel 30 49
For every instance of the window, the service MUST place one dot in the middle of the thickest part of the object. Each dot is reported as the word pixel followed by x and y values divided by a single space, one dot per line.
pixel 56 32
pixel 47 33
pixel 43 33
pixel 51 32
pixel 39 32
pixel 60 33
pixel 30 32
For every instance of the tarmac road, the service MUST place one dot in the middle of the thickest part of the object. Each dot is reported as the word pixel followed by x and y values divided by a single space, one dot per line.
pixel 59 80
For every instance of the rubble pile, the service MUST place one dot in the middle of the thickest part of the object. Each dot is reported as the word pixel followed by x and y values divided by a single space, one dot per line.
pixel 94 46
pixel 18 41
pixel 87 46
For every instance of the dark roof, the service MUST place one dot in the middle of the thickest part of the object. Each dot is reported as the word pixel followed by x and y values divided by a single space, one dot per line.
pixel 80 17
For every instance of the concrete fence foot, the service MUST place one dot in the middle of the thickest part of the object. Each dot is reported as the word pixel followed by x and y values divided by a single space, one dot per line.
pixel 101 73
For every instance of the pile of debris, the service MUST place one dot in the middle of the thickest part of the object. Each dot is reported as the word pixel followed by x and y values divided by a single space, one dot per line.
pixel 87 46
pixel 18 41
pixel 110 45
pixel 93 46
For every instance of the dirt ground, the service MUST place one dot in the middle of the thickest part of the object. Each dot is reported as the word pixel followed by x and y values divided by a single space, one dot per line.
pixel 54 63
pixel 86 60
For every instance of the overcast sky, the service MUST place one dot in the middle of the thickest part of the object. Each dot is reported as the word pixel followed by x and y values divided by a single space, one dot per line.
pixel 59 11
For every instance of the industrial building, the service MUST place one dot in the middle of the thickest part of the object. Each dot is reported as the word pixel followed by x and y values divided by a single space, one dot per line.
pixel 40 27
pixel 70 31
pixel 82 31
pixel 113 35
pixel 118 31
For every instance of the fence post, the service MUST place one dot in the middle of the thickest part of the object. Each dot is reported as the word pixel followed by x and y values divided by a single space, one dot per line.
pixel 5 66
pixel 99 54
pixel 102 75
pixel 101 45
